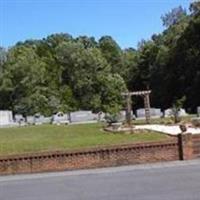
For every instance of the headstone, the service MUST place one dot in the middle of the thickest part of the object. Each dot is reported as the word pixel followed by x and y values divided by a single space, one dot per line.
pixel 123 114
pixel 6 118
pixel 47 120
pixel 140 113
pixel 19 119
pixel 154 112
pixel 101 116
pixel 83 116
pixel 182 112
pixel 60 118
pixel 38 119
pixel 169 112
pixel 198 111
pixel 30 120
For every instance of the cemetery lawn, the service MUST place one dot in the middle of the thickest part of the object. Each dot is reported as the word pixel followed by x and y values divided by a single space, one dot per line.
pixel 41 138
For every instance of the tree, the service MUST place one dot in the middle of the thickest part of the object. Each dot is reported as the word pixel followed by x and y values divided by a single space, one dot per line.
pixel 147 54
pixel 111 88
pixel 129 66
pixel 62 73
pixel 87 72
pixel 22 73
pixel 176 107
pixel 88 42
pixel 173 17
pixel 112 52
pixel 195 7
pixel 186 57
pixel 3 58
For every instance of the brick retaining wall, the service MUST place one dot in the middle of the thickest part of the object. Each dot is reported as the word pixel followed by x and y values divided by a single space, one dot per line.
pixel 196 145
pixel 181 147
pixel 91 158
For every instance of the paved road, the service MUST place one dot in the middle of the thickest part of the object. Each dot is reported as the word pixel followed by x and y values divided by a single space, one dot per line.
pixel 166 181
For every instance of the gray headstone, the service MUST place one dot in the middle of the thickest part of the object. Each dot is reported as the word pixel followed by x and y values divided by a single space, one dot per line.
pixel 83 116
pixel 140 113
pixel 47 120
pixel 123 115
pixel 19 118
pixel 154 112
pixel 198 111
pixel 100 116
pixel 38 119
pixel 30 119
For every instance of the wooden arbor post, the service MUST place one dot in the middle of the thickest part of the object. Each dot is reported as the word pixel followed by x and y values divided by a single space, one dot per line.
pixel 128 109
pixel 147 108
pixel 145 94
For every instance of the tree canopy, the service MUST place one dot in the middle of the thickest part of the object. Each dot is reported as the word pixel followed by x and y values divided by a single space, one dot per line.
pixel 61 72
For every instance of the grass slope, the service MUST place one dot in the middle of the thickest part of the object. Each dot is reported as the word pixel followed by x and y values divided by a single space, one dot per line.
pixel 52 137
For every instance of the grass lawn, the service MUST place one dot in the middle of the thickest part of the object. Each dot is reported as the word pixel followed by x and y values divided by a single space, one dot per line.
pixel 52 137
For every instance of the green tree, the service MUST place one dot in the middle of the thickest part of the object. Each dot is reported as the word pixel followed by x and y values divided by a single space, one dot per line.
pixel 195 7
pixel 176 107
pixel 111 88
pixel 174 16
pixel 112 52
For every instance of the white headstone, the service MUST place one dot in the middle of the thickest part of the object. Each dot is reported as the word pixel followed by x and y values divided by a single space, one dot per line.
pixel 182 112
pixel 169 112
pixel 6 117
pixel 60 118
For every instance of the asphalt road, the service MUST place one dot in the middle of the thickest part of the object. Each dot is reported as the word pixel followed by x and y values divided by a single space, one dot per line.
pixel 166 181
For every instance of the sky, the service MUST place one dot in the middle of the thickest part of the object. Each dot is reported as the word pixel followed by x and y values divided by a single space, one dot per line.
pixel 127 21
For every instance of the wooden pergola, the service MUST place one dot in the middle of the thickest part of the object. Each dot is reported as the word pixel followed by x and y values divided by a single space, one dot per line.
pixel 145 94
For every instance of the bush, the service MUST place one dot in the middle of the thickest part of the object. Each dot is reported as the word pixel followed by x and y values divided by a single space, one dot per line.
pixel 112 118
pixel 196 122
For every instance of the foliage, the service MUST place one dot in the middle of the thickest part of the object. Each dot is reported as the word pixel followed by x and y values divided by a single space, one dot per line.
pixel 174 16
pixel 195 7
pixel 196 122
pixel 60 72
pixel 176 107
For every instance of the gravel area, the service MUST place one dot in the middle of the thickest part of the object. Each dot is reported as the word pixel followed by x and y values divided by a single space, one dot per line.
pixel 172 130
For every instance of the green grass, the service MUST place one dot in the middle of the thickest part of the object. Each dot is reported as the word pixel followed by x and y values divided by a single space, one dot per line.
pixel 52 137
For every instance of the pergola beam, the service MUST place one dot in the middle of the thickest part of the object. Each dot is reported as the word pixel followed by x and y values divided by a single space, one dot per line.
pixel 145 94
pixel 137 93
